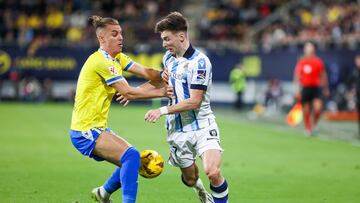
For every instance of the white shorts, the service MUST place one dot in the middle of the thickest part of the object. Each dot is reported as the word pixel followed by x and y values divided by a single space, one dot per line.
pixel 185 146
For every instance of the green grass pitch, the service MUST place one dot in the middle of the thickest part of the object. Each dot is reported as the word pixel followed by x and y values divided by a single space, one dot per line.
pixel 261 163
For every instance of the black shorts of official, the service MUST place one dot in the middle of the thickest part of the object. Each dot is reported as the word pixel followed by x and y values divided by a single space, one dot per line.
pixel 308 94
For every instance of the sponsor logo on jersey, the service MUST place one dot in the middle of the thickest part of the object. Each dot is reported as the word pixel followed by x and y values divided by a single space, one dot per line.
pixel 201 64
pixel 201 74
pixel 112 70
pixel 176 76
pixel 213 133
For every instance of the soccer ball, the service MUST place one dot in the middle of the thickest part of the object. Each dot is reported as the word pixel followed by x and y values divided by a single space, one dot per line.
pixel 152 164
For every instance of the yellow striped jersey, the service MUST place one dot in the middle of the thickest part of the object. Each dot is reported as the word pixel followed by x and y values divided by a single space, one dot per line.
pixel 94 92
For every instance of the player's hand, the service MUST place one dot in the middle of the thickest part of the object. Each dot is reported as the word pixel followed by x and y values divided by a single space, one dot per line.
pixel 165 75
pixel 168 91
pixel 152 115
pixel 121 99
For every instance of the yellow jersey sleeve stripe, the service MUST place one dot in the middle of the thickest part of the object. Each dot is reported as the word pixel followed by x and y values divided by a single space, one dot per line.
pixel 113 80
pixel 129 65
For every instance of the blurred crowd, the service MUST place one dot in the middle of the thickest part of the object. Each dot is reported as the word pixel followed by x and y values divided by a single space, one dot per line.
pixel 233 20
pixel 325 22
pixel 28 88
pixel 226 21
pixel 65 21
pixel 242 24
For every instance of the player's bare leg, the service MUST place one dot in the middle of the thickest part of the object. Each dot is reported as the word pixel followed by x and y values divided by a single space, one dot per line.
pixel 212 161
pixel 317 108
pixel 110 147
pixel 307 118
pixel 119 152
pixel 190 177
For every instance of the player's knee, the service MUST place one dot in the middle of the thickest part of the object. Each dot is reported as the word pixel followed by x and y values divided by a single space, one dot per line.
pixel 213 173
pixel 317 108
pixel 189 180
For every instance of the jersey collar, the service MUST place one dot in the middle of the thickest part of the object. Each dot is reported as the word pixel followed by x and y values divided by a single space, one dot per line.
pixel 188 53
pixel 107 55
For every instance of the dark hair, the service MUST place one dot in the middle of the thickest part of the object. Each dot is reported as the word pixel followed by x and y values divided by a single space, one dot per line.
pixel 175 21
pixel 100 22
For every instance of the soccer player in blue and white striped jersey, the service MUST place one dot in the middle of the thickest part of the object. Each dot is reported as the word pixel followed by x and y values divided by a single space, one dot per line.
pixel 190 122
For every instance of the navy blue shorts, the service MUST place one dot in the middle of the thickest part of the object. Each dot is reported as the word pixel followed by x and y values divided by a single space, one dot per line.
pixel 308 94
pixel 85 141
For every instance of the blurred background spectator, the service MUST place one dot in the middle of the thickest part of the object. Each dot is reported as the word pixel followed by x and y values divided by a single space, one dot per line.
pixel 273 94
pixel 14 78
pixel 30 89
pixel 47 90
pixel 238 83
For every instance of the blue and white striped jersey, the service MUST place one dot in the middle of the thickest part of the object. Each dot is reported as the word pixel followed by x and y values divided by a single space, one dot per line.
pixel 192 71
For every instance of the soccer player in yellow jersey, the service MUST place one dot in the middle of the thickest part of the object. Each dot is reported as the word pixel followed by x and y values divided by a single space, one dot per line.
pixel 100 78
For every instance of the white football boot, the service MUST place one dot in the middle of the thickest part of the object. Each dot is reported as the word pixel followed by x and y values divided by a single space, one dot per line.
pixel 204 196
pixel 95 194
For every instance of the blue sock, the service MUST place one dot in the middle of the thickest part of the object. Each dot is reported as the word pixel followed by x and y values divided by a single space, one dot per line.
pixel 220 193
pixel 130 162
pixel 113 183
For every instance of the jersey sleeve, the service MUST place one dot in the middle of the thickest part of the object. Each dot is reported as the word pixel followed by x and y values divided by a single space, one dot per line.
pixel 201 74
pixel 165 60
pixel 126 62
pixel 110 73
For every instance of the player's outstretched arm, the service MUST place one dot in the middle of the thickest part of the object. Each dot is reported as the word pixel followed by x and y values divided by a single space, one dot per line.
pixel 148 86
pixel 193 102
pixel 145 72
pixel 152 85
pixel 132 93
